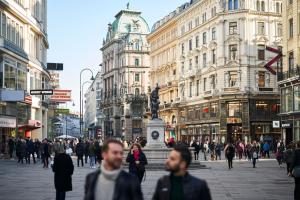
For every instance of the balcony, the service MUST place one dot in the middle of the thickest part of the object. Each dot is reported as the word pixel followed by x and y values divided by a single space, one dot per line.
pixel 290 74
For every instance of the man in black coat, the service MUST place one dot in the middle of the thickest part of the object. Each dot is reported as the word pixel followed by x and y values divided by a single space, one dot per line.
pixel 30 151
pixel 180 184
pixel 110 182
pixel 63 169
pixel 79 152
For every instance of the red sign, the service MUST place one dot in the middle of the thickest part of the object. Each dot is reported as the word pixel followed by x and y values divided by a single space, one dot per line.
pixel 268 66
pixel 205 110
pixel 28 99
pixel 61 96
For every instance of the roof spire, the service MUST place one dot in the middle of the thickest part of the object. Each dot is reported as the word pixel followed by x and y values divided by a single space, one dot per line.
pixel 128 4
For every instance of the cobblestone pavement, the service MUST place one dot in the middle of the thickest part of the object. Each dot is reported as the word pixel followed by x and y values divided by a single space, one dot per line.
pixel 266 182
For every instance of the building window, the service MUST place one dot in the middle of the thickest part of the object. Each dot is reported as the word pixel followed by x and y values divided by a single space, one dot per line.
pixel 3 25
pixel 291 60
pixel 182 30
pixel 213 33
pixel 197 21
pixel 137 62
pixel 182 67
pixel 232 28
pixel 261 79
pixel 279 30
pixel 191 88
pixel 277 7
pixel 198 87
pixel 203 17
pixel 190 44
pixel 213 81
pixel 197 41
pixel 257 5
pixel 262 109
pixel 10 76
pixel 261 52
pixel 261 28
pixel 204 60
pixel 233 78
pixel 230 4
pixel 291 29
pixel 213 53
pixel 182 48
pixel 214 109
pixel 196 61
pixel 263 6
pixel 204 38
pixel 137 77
pixel 233 52
pixel 204 84
pixel 190 25
pixel 190 64
pixel 236 4
pixel 174 72
pixel 137 91
pixel 286 99
pixel 234 109
pixel 297 97
pixel 290 2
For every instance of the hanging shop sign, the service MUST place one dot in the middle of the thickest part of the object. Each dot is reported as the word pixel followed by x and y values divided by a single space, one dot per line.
pixel 61 96
pixel 276 124
pixel 41 92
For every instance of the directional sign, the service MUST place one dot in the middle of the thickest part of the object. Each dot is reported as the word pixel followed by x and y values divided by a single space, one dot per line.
pixel 268 66
pixel 41 92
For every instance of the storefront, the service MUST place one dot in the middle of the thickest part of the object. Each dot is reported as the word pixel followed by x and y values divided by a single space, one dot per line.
pixel 7 129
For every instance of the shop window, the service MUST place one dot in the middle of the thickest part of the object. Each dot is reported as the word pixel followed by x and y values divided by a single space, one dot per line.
pixel 262 108
pixel 297 97
pixel 286 99
pixel 234 109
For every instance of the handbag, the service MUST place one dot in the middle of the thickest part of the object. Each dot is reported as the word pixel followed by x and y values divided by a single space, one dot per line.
pixel 254 154
pixel 296 172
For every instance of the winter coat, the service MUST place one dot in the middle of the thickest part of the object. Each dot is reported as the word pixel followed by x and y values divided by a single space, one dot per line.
pixel 79 149
pixel 289 156
pixel 30 146
pixel 133 167
pixel 63 169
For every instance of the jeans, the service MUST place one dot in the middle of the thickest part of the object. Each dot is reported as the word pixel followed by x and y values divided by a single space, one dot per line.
pixel 92 161
pixel 60 195
pixel 229 163
pixel 254 161
pixel 29 154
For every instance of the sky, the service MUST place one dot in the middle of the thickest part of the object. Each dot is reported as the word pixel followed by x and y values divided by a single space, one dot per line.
pixel 76 29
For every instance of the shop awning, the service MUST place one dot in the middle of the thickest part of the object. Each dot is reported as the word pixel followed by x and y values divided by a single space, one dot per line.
pixel 32 125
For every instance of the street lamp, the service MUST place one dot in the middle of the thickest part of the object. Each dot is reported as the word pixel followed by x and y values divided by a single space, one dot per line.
pixel 80 112
pixel 81 102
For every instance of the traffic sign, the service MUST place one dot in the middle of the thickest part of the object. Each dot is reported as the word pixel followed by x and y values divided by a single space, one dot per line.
pixel 41 92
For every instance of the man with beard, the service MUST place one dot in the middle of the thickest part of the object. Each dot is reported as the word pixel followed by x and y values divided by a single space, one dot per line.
pixel 110 182
pixel 180 184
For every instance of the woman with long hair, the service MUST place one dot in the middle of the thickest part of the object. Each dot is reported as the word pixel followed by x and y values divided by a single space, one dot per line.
pixel 137 161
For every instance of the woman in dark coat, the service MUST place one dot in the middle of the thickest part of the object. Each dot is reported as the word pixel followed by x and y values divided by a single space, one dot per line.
pixel 63 169
pixel 137 161
pixel 229 152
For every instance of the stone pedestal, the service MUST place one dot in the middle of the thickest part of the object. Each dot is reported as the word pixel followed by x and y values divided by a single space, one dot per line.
pixel 156 134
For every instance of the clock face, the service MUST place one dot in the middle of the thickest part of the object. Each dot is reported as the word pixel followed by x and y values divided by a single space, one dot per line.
pixel 155 135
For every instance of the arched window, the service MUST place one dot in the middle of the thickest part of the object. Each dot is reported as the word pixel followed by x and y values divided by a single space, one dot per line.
pixel 137 91
pixel 262 6
pixel 257 5
pixel 236 4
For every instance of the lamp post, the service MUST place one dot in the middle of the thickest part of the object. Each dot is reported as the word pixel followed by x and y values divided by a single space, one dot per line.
pixel 82 87
pixel 80 111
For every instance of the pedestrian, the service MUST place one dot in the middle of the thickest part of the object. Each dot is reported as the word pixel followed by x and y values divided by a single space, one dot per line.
pixel 18 150
pixel 86 150
pixel 196 146
pixel 179 184
pixel 289 157
pixel 92 154
pixel 22 151
pixel 11 146
pixel 58 147
pixel 46 153
pixel 98 156
pixel 213 150
pixel 279 154
pixel 137 161
pixel 296 171
pixel 63 169
pixel 254 152
pixel 218 151
pixel 248 151
pixel 266 149
pixel 110 181
pixel 30 151
pixel 37 147
pixel 229 152
pixel 205 150
pixel 79 152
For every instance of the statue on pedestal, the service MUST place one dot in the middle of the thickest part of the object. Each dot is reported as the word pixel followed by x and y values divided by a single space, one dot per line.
pixel 154 100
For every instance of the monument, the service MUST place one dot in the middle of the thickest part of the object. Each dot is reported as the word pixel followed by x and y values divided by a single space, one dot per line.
pixel 155 126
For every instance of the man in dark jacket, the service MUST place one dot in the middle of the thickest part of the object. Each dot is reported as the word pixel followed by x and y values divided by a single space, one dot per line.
pixel 86 150
pixel 180 184
pixel 63 169
pixel 79 153
pixel 30 151
pixel 11 146
pixel 110 182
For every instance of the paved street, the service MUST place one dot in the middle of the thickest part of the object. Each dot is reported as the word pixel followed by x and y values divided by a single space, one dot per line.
pixel 267 182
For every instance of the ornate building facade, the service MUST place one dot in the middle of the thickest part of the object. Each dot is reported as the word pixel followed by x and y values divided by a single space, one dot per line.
pixel 23 60
pixel 125 70
pixel 289 80
pixel 224 92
